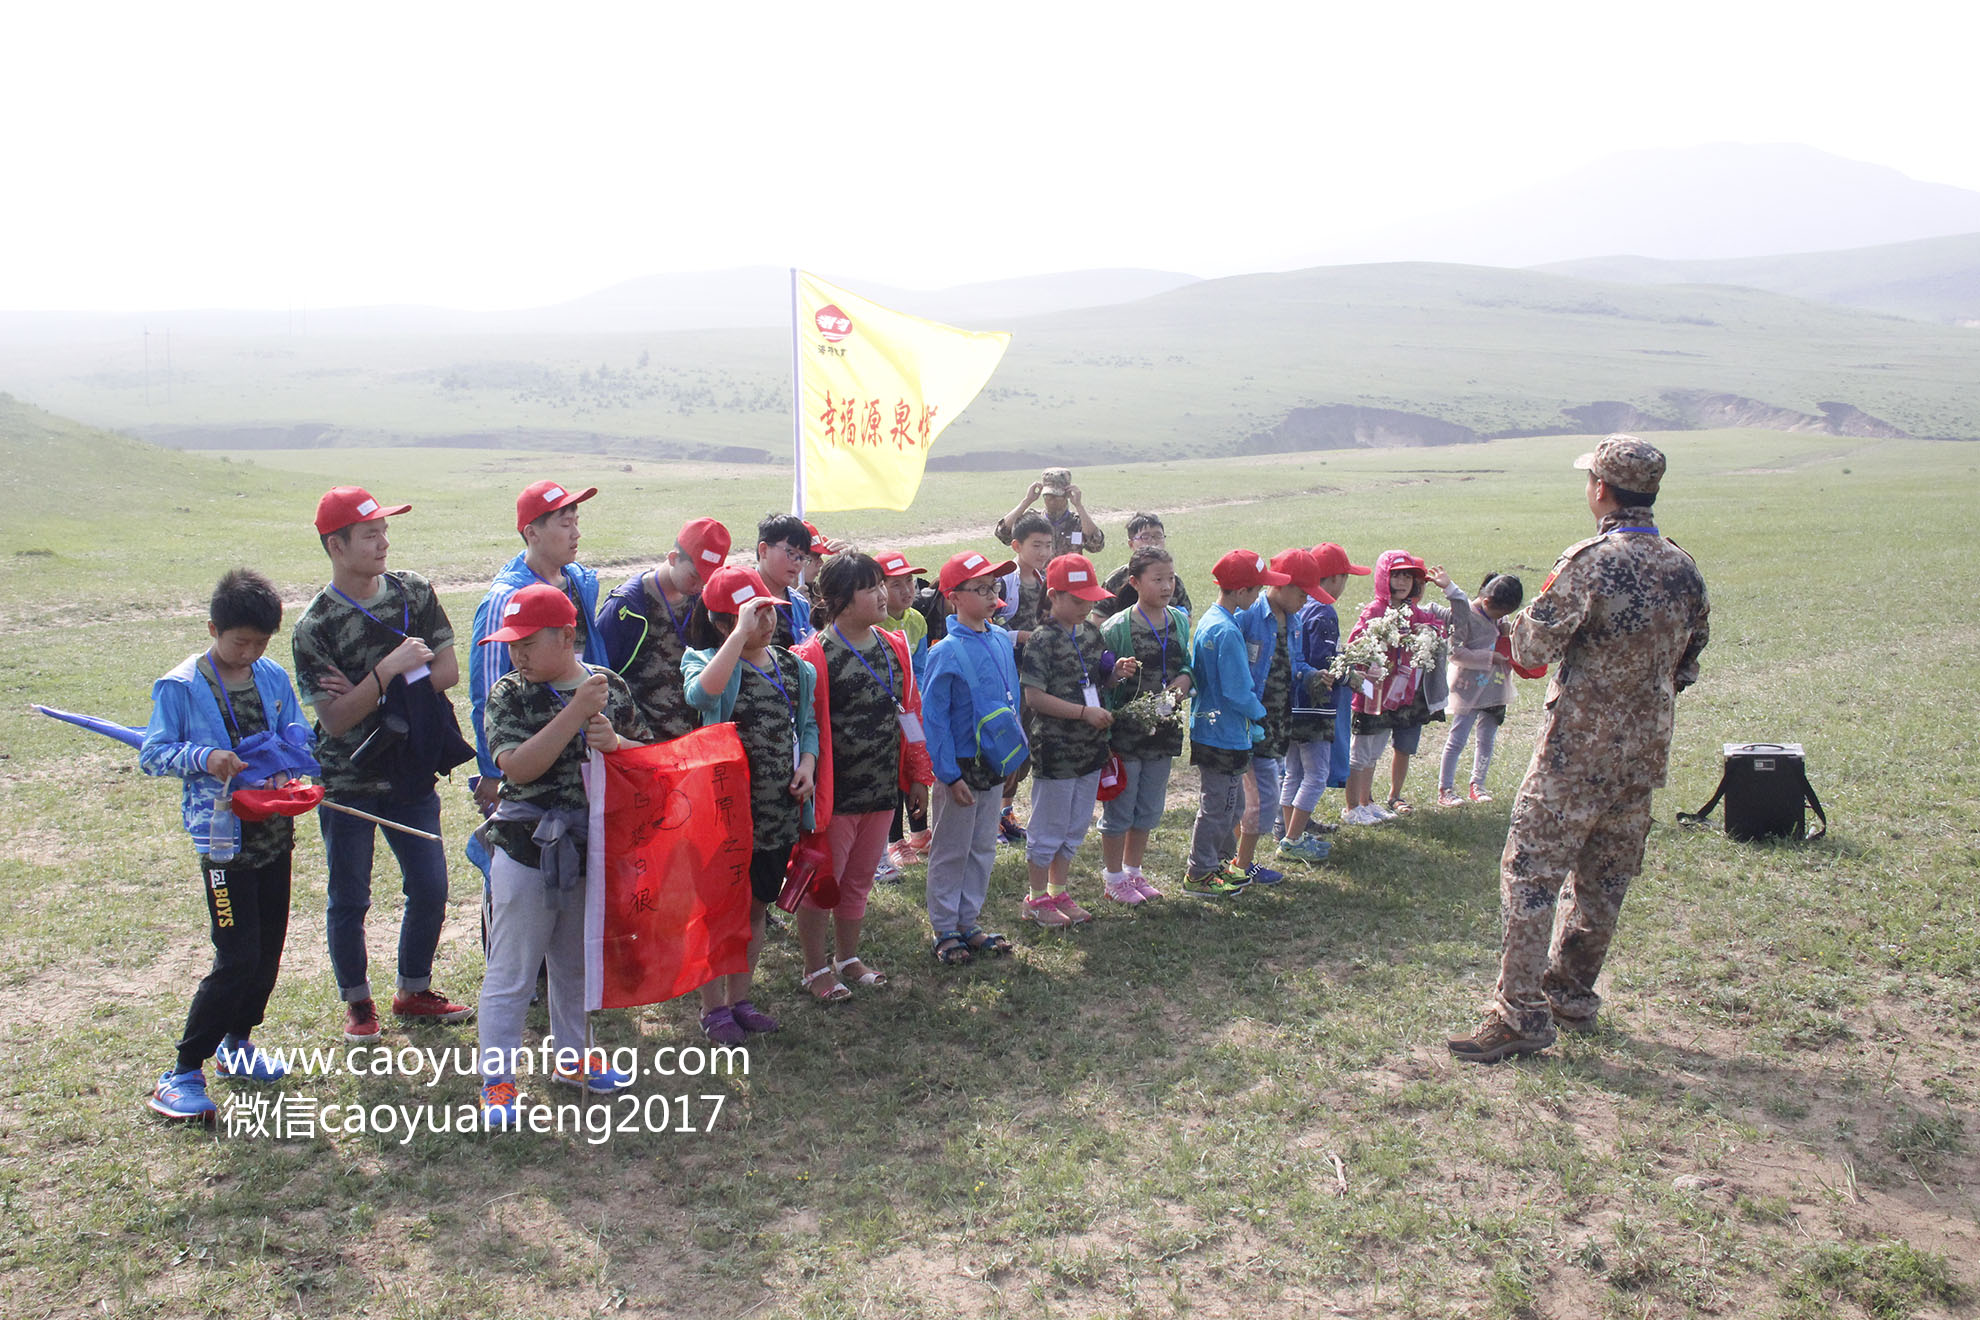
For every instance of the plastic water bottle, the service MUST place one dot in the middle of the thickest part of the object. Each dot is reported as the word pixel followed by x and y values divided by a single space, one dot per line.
pixel 220 839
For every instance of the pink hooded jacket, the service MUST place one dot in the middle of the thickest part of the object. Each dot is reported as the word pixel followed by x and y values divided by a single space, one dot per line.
pixel 1398 686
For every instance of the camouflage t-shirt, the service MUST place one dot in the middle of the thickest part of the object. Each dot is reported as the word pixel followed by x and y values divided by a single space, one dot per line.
pixel 1058 665
pixel 1133 740
pixel 654 670
pixel 1277 698
pixel 517 710
pixel 263 842
pixel 765 722
pixel 866 728
pixel 1030 608
pixel 334 633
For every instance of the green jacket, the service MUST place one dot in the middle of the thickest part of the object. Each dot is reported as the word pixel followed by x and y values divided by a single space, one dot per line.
pixel 1117 632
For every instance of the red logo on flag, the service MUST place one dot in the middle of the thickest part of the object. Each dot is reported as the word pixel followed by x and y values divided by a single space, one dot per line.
pixel 833 323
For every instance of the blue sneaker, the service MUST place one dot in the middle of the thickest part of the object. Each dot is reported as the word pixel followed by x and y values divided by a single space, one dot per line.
pixel 498 1107
pixel 244 1062
pixel 1306 848
pixel 1263 875
pixel 597 1077
pixel 182 1095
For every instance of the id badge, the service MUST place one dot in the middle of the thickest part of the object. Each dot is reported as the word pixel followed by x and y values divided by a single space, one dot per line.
pixel 1253 650
pixel 1091 694
pixel 1077 539
pixel 911 726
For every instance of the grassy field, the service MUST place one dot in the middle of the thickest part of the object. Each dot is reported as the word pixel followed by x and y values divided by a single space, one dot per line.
pixel 1194 1109
pixel 1191 373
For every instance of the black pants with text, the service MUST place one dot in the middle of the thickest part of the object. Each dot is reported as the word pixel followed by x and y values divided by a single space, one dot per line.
pixel 248 911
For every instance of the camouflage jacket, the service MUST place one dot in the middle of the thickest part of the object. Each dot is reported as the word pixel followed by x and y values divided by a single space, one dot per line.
pixel 1623 618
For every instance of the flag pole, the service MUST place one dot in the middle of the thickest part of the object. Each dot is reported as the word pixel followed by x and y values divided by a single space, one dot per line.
pixel 797 408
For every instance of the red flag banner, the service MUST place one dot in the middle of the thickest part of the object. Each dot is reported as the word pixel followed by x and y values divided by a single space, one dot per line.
pixel 667 905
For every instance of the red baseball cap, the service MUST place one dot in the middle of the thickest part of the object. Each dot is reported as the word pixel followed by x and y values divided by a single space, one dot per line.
pixel 1246 568
pixel 1333 559
pixel 343 505
pixel 537 606
pixel 706 544
pixel 729 589
pixel 1304 570
pixel 822 544
pixel 541 497
pixel 969 566
pixel 1075 573
pixel 895 564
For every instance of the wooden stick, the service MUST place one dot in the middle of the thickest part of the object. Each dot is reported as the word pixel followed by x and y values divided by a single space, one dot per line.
pixel 328 805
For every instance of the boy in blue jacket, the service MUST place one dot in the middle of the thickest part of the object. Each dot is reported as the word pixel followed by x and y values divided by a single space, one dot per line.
pixel 200 713
pixel 972 673
pixel 1224 721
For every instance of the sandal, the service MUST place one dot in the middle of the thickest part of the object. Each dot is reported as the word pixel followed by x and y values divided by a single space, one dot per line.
pixel 985 941
pixel 951 949
pixel 835 995
pixel 867 976
pixel 1400 806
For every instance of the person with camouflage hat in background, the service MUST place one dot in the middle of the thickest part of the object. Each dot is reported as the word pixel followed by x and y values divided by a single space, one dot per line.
pixel 1073 530
pixel 1622 618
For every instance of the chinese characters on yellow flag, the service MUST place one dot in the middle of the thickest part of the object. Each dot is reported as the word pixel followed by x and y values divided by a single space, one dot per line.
pixel 877 386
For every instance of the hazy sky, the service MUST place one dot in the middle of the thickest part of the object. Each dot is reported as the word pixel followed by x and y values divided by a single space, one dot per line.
pixel 492 155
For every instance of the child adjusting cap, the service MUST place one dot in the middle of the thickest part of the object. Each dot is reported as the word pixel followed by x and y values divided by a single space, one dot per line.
pixel 1246 568
pixel 729 589
pixel 1074 574
pixel 534 608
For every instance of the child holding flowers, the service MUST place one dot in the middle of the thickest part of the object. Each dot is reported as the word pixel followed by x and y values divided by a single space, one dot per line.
pixel 1402 639
pixel 1148 728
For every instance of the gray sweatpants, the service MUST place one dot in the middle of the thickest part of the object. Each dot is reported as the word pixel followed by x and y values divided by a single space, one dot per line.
pixel 523 935
pixel 961 853
pixel 1214 839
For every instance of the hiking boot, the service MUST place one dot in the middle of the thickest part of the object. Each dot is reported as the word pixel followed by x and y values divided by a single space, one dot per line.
pixel 428 1006
pixel 360 1022
pixel 182 1096
pixel 1580 1026
pixel 1494 1040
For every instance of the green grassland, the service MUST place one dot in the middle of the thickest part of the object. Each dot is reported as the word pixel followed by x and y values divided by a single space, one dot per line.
pixel 1192 373
pixel 1193 1109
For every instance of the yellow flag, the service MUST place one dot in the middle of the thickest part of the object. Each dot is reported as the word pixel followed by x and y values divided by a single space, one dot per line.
pixel 876 387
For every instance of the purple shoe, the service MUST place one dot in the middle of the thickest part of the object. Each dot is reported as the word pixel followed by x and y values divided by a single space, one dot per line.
pixel 751 1018
pixel 720 1026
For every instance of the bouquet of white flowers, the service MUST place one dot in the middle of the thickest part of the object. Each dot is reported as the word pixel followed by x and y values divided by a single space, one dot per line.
pixel 1393 630
pixel 1151 712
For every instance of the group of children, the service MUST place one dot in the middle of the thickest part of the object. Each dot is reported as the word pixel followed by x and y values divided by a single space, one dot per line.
pixel 879 733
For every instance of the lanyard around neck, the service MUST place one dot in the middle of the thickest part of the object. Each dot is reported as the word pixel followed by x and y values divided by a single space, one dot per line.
pixel 1161 635
pixel 888 682
pixel 226 700
pixel 405 612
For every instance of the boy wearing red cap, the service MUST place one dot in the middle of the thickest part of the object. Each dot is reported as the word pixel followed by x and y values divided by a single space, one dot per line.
pixel 970 685
pixel 365 631
pixel 1317 743
pixel 1225 721
pixel 1062 670
pixel 547 522
pixel 643 624
pixel 1269 622
pixel 545 715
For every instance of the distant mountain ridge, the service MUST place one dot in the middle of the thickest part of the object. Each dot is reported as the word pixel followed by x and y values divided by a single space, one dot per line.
pixel 1930 279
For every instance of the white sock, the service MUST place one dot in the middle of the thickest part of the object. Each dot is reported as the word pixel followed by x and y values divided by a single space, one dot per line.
pixel 1113 877
pixel 1134 871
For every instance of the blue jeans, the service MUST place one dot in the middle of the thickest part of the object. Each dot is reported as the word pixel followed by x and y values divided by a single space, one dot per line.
pixel 347 844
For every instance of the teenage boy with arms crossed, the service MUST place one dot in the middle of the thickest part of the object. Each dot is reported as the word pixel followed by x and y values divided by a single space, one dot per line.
pixel 367 628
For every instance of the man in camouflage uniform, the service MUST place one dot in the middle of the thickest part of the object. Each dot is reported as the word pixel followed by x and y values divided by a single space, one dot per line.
pixel 1623 618
pixel 1073 530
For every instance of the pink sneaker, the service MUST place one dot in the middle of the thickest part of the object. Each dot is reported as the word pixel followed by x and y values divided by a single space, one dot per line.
pixel 1045 911
pixel 1140 881
pixel 1073 910
pixel 1124 890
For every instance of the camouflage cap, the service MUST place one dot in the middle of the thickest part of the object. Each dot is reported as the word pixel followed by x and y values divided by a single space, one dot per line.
pixel 1056 481
pixel 1627 462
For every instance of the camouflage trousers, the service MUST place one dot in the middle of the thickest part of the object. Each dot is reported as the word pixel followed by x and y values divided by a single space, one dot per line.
pixel 1584 838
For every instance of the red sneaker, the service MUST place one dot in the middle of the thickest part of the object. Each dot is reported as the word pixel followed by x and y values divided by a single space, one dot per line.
pixel 1479 794
pixel 429 1006
pixel 360 1022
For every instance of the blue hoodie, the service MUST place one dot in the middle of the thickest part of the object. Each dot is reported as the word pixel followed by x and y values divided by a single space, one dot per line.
pixel 187 727
pixel 488 663
pixel 1226 708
